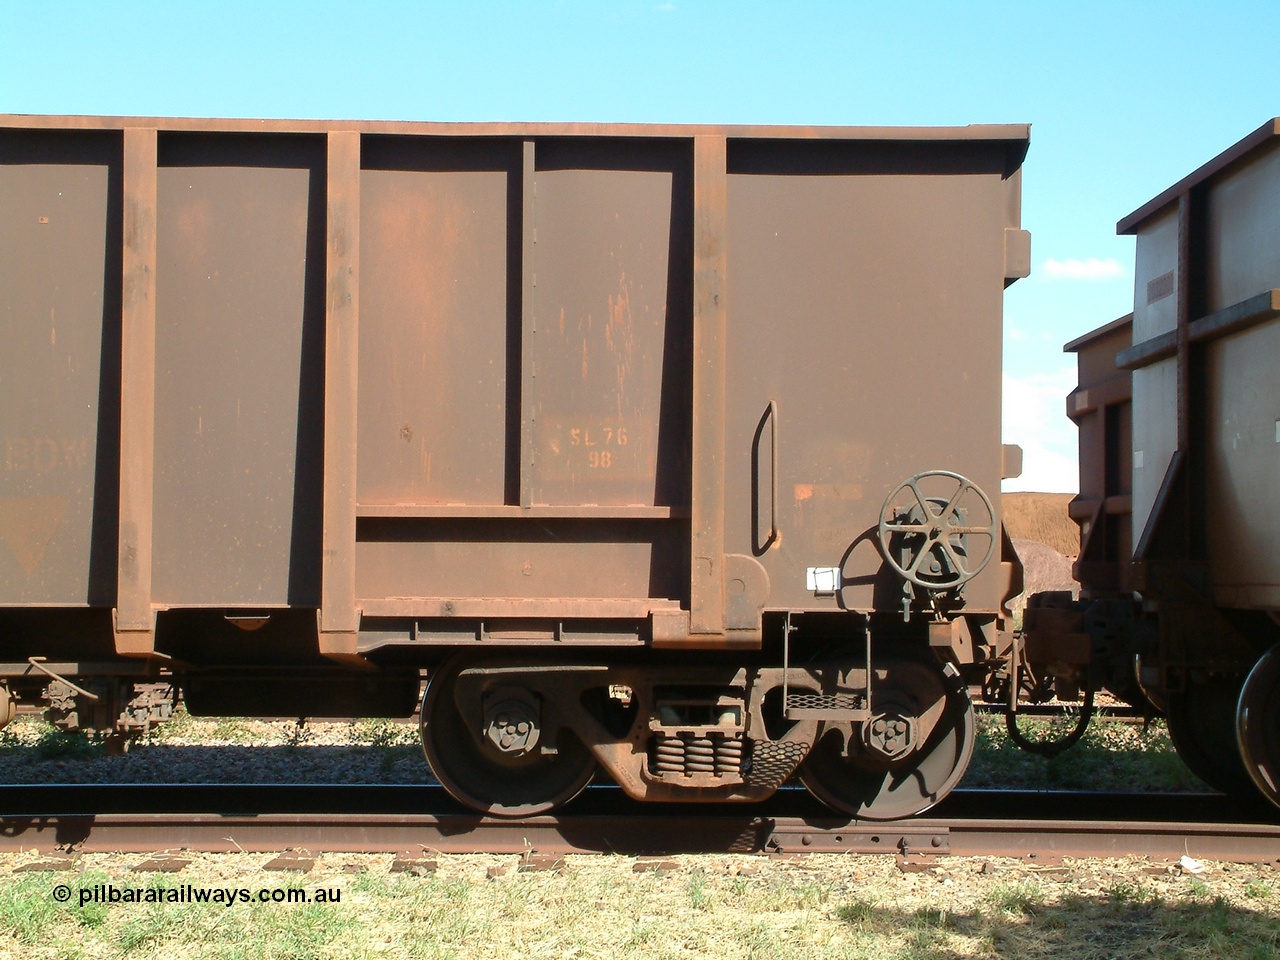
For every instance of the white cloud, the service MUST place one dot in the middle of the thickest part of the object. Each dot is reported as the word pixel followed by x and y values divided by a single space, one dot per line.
pixel 1035 418
pixel 1091 269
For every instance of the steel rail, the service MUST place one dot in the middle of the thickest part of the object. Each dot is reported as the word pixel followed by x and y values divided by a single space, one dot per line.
pixel 93 821
pixel 254 799
pixel 426 833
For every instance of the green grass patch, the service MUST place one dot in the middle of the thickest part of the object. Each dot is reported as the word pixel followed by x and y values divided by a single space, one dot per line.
pixel 179 726
pixel 1022 897
pixel 821 909
pixel 1111 756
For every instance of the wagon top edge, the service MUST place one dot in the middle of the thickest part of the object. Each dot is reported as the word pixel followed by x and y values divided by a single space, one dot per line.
pixel 1014 132
pixel 1237 151
pixel 1082 341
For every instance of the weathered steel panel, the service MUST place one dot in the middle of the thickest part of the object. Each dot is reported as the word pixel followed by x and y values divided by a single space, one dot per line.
pixel 610 327
pixel 505 318
pixel 1102 409
pixel 1155 388
pixel 518 557
pixel 1155 435
pixel 865 321
pixel 1215 399
pixel 438 321
pixel 60 223
pixel 1096 352
pixel 239 371
pixel 1155 278
pixel 1242 466
pixel 1242 384
pixel 1242 252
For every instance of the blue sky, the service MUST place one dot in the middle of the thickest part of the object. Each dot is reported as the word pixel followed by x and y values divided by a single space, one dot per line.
pixel 1124 99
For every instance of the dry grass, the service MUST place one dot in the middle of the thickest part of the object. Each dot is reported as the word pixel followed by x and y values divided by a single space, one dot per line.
pixel 724 907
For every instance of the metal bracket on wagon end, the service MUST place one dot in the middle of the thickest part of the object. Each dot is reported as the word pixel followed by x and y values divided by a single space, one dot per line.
pixel 134 640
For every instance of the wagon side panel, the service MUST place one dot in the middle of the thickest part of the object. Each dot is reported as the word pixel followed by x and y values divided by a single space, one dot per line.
pixel 864 348
pixel 60 290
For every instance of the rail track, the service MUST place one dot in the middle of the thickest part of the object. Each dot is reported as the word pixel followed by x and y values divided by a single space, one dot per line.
pixel 337 818
pixel 1101 711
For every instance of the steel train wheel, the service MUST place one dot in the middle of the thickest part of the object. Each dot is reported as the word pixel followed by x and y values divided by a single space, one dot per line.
pixel 873 786
pixel 477 773
pixel 1258 724
pixel 1202 726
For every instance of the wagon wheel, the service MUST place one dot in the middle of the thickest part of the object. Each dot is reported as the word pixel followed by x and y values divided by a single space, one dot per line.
pixel 925 539
pixel 910 755
pixel 1258 724
pixel 502 763
pixel 1202 726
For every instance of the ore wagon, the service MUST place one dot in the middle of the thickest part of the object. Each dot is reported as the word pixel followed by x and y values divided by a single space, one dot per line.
pixel 1179 413
pixel 667 451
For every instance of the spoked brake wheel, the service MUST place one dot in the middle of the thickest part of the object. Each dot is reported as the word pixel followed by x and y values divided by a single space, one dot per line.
pixel 938 530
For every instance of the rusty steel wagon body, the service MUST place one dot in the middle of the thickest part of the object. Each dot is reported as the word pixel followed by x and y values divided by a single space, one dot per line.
pixel 1179 414
pixel 669 450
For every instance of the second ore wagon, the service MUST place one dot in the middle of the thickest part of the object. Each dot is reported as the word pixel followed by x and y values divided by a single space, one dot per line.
pixel 1179 411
